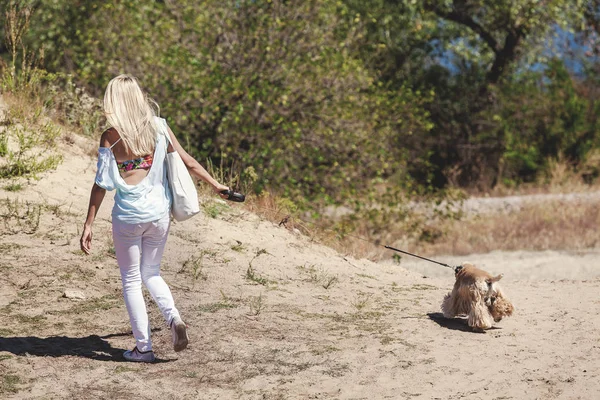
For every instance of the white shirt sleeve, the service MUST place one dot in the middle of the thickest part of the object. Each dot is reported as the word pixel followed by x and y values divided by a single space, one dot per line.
pixel 104 175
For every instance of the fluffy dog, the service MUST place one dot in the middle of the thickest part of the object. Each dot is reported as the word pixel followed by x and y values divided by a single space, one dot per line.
pixel 478 295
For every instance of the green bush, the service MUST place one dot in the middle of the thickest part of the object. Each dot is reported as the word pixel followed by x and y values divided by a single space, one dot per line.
pixel 276 86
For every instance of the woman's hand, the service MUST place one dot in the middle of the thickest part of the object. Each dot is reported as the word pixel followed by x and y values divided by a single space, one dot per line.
pixel 218 188
pixel 86 239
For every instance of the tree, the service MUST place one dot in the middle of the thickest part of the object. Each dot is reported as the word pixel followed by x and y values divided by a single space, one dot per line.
pixel 464 51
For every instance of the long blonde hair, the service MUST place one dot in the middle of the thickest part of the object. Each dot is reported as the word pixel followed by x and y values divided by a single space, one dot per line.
pixel 130 112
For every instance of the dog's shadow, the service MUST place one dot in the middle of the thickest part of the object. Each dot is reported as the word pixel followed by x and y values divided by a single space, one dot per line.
pixel 94 347
pixel 457 324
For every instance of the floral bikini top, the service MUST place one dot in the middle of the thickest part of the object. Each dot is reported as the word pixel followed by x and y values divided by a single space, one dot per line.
pixel 144 162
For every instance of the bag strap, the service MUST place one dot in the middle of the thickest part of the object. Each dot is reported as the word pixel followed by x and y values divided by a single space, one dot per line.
pixel 165 132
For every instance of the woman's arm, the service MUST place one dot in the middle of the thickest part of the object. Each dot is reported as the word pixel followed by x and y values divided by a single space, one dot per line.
pixel 96 197
pixel 194 166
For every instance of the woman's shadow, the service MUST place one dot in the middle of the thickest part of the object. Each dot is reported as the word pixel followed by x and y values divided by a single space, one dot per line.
pixel 93 346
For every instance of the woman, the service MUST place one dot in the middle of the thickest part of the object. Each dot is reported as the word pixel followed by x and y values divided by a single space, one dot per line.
pixel 131 159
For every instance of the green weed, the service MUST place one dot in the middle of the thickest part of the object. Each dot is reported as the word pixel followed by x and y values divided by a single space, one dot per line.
pixel 361 301
pixel 251 275
pixel 319 276
pixel 213 208
pixel 9 383
pixel 31 155
pixel 13 187
pixel 239 247
pixel 195 266
pixel 256 304
pixel 3 144
pixel 20 216
pixel 214 307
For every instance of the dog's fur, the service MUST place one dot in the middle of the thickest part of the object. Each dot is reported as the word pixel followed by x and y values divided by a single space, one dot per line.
pixel 478 295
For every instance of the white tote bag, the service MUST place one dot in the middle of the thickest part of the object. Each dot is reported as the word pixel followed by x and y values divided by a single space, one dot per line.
pixel 183 190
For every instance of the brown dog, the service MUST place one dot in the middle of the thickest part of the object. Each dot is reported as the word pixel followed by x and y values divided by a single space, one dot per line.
pixel 478 295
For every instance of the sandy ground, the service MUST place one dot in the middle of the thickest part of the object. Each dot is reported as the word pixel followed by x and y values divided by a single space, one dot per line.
pixel 273 315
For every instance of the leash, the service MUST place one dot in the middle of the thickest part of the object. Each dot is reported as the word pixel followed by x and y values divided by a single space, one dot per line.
pixel 422 258
pixel 288 216
pixel 456 269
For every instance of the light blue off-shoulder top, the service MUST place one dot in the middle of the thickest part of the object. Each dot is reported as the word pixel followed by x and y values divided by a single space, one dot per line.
pixel 148 200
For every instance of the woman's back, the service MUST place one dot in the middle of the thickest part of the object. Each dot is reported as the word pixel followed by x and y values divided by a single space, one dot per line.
pixel 131 176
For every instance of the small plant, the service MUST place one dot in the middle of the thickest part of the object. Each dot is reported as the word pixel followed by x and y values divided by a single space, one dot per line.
pixel 319 276
pixel 361 301
pixel 13 187
pixel 239 247
pixel 254 277
pixel 3 144
pixel 9 383
pixel 329 281
pixel 30 152
pixel 214 208
pixel 230 300
pixel 251 275
pixel 23 75
pixel 21 217
pixel 194 265
pixel 214 307
pixel 256 304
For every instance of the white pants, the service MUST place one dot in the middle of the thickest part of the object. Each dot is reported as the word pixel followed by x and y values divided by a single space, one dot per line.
pixel 139 249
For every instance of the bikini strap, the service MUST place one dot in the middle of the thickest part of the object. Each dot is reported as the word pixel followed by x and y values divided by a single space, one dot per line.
pixel 113 145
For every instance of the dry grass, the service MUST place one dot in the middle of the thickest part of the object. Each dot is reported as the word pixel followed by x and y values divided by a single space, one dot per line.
pixel 284 213
pixel 561 177
pixel 550 225
pixel 546 225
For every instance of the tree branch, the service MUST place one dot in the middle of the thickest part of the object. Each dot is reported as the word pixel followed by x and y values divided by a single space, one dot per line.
pixel 506 55
pixel 460 17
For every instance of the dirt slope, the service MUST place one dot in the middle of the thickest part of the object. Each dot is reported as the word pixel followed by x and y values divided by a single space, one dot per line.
pixel 303 323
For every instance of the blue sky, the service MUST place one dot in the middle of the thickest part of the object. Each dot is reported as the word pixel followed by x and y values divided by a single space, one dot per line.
pixel 559 44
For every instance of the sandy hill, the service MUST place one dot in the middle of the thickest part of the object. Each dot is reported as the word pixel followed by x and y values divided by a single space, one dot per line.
pixel 273 315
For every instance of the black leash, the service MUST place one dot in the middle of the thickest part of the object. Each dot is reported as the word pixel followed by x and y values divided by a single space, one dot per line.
pixel 422 258
pixel 456 269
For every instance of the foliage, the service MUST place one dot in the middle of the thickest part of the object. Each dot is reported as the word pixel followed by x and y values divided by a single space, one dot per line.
pixel 364 104
pixel 30 155
pixel 466 52
pixel 26 141
pixel 546 116
pixel 276 86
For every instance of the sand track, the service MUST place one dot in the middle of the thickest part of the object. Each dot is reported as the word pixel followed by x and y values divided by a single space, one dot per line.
pixel 375 332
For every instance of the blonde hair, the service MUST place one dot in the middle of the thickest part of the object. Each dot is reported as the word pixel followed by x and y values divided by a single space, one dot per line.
pixel 130 112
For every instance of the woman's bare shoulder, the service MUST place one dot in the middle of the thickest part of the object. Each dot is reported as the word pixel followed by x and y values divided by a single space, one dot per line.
pixel 109 137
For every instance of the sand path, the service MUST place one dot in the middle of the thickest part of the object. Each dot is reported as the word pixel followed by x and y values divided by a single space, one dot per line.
pixel 305 323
